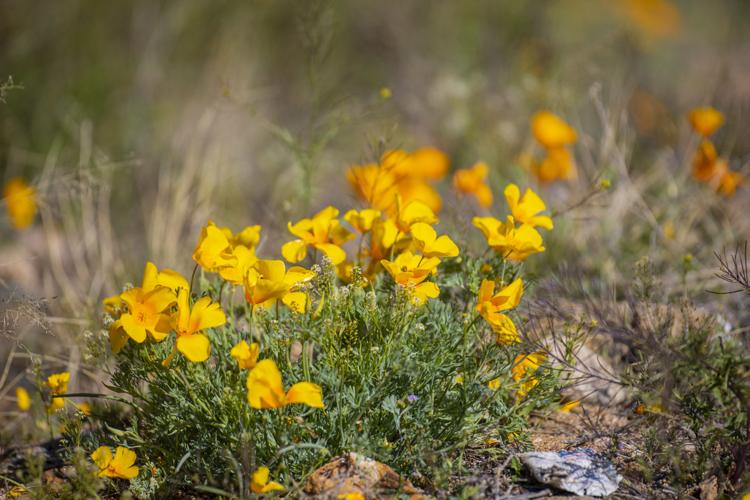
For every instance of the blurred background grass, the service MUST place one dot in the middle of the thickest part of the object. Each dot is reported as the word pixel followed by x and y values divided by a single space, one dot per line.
pixel 137 121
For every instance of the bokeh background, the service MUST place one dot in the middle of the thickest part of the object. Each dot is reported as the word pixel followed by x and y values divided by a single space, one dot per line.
pixel 138 121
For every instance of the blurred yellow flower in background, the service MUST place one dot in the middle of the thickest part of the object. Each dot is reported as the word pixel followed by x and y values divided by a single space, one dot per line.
pixel 23 400
pixel 20 202
pixel 706 120
pixel 400 173
pixel 551 131
pixel 558 164
pixel 260 483
pixel 523 370
pixel 57 384
pixel 362 220
pixel 474 181
pixel 654 18
pixel 245 354
pixel 555 136
pixel 214 251
pixel 266 390
pixel 121 465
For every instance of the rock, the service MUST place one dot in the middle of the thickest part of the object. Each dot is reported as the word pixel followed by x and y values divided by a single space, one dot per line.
pixel 354 473
pixel 582 471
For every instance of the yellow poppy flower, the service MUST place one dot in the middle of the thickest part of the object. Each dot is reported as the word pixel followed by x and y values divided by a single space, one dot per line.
pixel 245 259
pixel 20 202
pixel 490 306
pixel 523 370
pixel 426 241
pixel 121 465
pixel 214 249
pixel 729 182
pixel 143 309
pixel 147 315
pixel 515 244
pixel 260 483
pixel 410 271
pixel 569 406
pixel 265 389
pixel 188 323
pixel 706 163
pixel 355 495
pixel 245 354
pixel 400 173
pixel 557 165
pixel 494 384
pixel 248 237
pixel 410 213
pixel 551 131
pixel 362 220
pixel 656 18
pixel 270 281
pixel 23 400
pixel 424 163
pixel 323 232
pixel 474 181
pixel 706 120
pixel 526 209
pixel 414 189
pixel 57 384
pixel 374 185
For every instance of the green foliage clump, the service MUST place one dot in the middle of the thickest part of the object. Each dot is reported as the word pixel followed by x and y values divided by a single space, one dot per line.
pixel 402 383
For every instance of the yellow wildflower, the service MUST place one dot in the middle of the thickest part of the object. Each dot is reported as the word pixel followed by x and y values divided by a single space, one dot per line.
pixel 373 184
pixel 323 232
pixel 20 202
pixel 490 306
pixel 410 213
pixel 474 181
pixel 188 324
pixel 400 173
pixel 729 182
pixel 265 389
pixel 410 271
pixel 426 240
pixel 84 408
pixel 121 465
pixel 551 131
pixel 569 406
pixel 23 400
pixel 214 250
pixel 355 495
pixel 260 483
pixel 144 309
pixel 245 259
pixel 494 384
pixel 706 120
pixel 526 209
pixel 523 370
pixel 270 281
pixel 57 384
pixel 245 354
pixel 516 244
pixel 558 164
pixel 362 220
